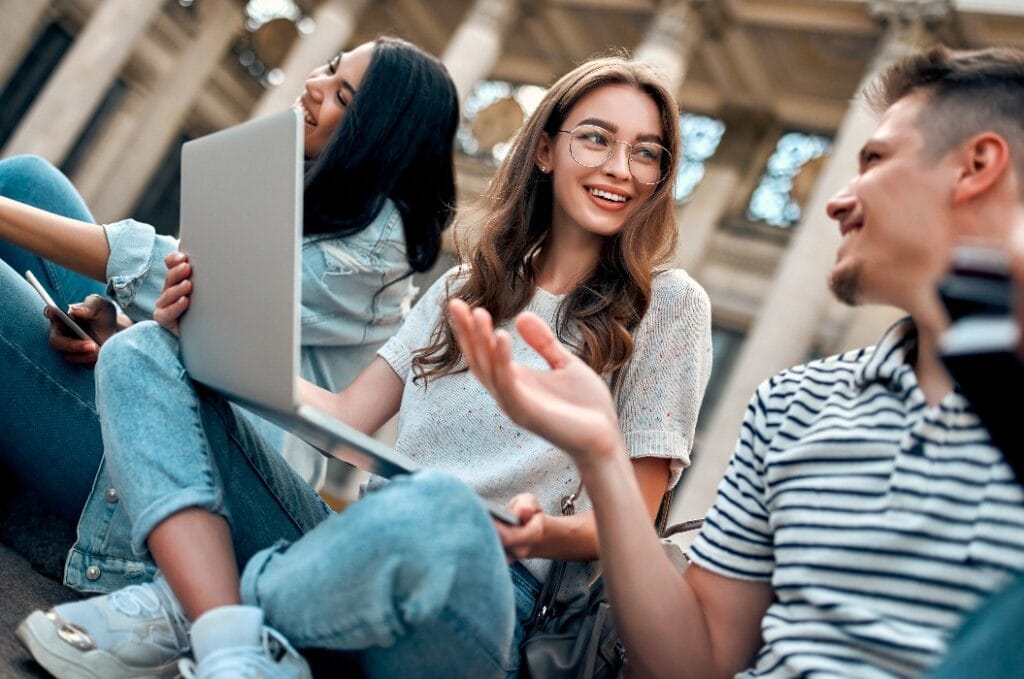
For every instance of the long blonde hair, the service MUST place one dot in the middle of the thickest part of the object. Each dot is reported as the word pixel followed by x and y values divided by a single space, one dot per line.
pixel 599 315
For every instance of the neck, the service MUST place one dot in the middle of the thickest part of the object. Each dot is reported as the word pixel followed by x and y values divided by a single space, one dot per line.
pixel 931 322
pixel 566 260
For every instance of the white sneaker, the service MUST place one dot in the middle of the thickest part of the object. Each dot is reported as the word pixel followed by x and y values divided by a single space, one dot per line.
pixel 139 631
pixel 231 642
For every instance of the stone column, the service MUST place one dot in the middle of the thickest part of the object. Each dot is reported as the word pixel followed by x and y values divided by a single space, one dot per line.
pixel 172 98
pixel 22 20
pixel 716 193
pixel 335 22
pixel 476 44
pixel 784 331
pixel 671 40
pixel 62 109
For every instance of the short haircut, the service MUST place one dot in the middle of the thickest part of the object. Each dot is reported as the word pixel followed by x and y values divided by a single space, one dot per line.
pixel 970 91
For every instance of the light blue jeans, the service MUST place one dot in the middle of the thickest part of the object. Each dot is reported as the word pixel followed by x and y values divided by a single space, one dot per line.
pixel 411 579
pixel 50 437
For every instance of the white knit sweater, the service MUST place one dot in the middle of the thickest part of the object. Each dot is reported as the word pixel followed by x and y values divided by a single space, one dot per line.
pixel 454 425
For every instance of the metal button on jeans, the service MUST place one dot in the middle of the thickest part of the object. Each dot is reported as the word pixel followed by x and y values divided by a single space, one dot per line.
pixel 111 495
pixel 92 573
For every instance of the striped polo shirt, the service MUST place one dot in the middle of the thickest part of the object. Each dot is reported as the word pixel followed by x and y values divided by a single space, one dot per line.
pixel 879 521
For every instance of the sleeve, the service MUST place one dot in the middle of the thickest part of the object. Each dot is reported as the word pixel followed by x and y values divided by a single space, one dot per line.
pixel 135 268
pixel 418 326
pixel 661 388
pixel 736 539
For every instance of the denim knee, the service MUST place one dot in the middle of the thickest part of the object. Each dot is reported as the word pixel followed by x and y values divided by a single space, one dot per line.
pixel 143 344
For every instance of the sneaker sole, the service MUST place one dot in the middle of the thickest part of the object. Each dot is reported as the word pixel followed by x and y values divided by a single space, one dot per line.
pixel 39 635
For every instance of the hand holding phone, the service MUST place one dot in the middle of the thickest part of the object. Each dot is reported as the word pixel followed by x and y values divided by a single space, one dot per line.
pixel 56 310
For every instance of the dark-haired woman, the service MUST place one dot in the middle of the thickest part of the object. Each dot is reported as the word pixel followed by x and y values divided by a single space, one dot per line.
pixel 379 191
pixel 413 578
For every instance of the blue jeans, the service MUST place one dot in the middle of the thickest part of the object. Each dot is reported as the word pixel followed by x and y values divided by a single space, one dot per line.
pixel 50 440
pixel 412 579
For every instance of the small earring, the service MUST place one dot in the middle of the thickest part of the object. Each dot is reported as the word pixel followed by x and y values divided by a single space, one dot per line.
pixel 544 169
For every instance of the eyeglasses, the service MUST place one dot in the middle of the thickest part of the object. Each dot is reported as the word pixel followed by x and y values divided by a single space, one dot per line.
pixel 590 146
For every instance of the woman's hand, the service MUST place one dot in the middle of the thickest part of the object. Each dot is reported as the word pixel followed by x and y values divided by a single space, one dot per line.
pixel 97 316
pixel 520 541
pixel 174 298
pixel 569 405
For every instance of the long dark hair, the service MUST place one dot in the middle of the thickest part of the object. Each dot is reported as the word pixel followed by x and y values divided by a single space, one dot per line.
pixel 395 142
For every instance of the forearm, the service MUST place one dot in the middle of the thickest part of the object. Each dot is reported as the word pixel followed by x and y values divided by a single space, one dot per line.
pixel 568 538
pixel 660 618
pixel 76 245
pixel 366 404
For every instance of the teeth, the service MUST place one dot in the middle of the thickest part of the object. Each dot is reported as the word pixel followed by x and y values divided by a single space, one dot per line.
pixel 608 195
pixel 306 114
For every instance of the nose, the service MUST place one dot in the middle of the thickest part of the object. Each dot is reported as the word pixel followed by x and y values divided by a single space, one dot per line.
pixel 617 164
pixel 841 204
pixel 315 84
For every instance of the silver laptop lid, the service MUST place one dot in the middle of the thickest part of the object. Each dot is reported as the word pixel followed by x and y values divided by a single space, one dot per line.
pixel 241 333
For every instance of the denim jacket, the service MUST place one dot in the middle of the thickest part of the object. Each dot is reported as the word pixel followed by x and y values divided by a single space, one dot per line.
pixel 346 314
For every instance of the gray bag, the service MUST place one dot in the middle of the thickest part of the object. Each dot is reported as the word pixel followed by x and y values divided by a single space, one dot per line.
pixel 574 637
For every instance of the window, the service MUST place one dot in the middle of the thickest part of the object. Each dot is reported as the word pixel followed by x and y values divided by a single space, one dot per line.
pixel 774 201
pixel 28 79
pixel 701 137
pixel 485 94
pixel 725 347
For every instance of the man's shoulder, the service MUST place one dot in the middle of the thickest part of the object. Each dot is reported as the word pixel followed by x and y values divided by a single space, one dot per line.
pixel 818 376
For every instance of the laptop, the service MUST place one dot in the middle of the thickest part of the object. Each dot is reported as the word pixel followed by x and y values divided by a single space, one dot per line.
pixel 241 226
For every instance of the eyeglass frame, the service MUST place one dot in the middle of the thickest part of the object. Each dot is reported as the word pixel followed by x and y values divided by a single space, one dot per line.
pixel 629 154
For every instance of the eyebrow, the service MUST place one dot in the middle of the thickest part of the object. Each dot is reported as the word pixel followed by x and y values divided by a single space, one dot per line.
pixel 344 83
pixel 613 128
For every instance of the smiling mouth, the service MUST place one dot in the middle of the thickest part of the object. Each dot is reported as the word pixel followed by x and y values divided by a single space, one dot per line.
pixel 306 115
pixel 609 196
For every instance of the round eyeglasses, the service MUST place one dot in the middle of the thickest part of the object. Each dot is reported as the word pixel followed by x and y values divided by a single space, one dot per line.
pixel 590 146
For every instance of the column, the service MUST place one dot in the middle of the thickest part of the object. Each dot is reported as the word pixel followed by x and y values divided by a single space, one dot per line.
pixel 715 195
pixel 22 20
pixel 172 98
pixel 475 46
pixel 62 109
pixel 335 23
pixel 670 42
pixel 784 331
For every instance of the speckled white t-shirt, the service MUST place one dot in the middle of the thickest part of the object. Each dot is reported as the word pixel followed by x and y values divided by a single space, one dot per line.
pixel 455 426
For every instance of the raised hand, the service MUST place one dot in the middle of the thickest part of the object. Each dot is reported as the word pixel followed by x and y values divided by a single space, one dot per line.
pixel 569 405
pixel 174 298
pixel 97 316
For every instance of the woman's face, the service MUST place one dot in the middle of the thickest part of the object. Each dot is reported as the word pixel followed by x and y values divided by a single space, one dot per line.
pixel 598 200
pixel 328 92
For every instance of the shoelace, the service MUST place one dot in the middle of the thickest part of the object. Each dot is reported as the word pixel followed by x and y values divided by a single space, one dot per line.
pixel 136 600
pixel 230 663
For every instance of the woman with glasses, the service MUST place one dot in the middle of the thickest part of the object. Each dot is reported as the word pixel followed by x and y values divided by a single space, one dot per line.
pixel 413 579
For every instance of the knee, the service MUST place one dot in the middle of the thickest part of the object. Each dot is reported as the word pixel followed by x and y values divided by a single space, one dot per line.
pixel 451 513
pixel 144 349
pixel 19 172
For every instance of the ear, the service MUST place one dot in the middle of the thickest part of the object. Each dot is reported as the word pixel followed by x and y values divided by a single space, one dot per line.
pixel 984 160
pixel 545 152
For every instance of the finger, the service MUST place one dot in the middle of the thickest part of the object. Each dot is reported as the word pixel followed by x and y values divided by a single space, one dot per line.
pixel 82 311
pixel 175 258
pixel 539 335
pixel 524 505
pixel 465 334
pixel 483 339
pixel 60 340
pixel 177 274
pixel 174 293
pixel 83 358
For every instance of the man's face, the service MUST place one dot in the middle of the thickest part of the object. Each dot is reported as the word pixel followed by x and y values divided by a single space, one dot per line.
pixel 895 215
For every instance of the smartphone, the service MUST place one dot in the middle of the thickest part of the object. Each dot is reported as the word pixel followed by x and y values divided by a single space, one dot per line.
pixel 75 327
pixel 980 347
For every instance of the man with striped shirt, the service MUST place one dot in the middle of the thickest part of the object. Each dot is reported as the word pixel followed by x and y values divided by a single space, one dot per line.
pixel 865 511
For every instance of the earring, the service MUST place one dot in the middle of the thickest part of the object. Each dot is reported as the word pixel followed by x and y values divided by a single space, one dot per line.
pixel 544 169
